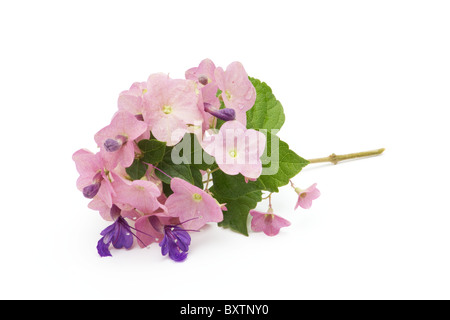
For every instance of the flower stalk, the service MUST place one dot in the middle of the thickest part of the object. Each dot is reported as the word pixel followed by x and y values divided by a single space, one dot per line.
pixel 335 159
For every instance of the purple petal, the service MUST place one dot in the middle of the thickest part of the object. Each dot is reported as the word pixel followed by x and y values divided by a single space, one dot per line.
pixel 123 237
pixel 109 230
pixel 103 248
pixel 164 246
pixel 175 254
pixel 91 190
pixel 226 114
pixel 176 242
pixel 112 145
pixel 184 240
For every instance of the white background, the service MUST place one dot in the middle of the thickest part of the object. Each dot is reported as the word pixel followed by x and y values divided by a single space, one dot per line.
pixel 351 75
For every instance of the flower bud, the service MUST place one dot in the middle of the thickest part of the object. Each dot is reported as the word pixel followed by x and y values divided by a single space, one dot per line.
pixel 91 190
pixel 203 80
pixel 112 145
pixel 226 114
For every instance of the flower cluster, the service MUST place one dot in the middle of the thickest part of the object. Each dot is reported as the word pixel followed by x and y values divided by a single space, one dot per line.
pixel 181 153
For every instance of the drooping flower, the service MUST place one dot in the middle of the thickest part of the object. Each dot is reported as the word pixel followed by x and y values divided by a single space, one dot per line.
pixel 306 197
pixel 237 149
pixel 150 228
pixel 176 242
pixel 171 105
pixel 118 234
pixel 132 100
pixel 268 222
pixel 192 205
pixel 116 140
pixel 238 92
pixel 93 180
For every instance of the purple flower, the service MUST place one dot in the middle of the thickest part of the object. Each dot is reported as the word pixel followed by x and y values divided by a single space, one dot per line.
pixel 118 234
pixel 176 242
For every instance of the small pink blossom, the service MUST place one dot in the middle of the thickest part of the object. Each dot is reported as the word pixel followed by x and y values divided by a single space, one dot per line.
pixel 132 100
pixel 116 141
pixel 190 202
pixel 238 92
pixel 103 209
pixel 268 222
pixel 141 195
pixel 171 106
pixel 93 180
pixel 237 149
pixel 306 197
pixel 203 74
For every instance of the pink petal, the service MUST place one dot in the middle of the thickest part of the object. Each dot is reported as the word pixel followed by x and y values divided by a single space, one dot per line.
pixel 306 197
pixel 132 100
pixel 101 207
pixel 206 68
pixel 182 204
pixel 147 233
pixel 87 163
pixel 139 194
pixel 269 223
pixel 169 130
pixel 234 81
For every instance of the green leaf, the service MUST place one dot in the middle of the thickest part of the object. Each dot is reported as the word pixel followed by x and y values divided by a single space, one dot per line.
pixel 189 151
pixel 233 187
pixel 236 216
pixel 181 170
pixel 190 166
pixel 197 176
pixel 152 150
pixel 166 189
pixel 286 165
pixel 137 170
pixel 206 160
pixel 267 113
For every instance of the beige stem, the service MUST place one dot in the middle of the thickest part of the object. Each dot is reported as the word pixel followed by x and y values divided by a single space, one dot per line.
pixel 337 158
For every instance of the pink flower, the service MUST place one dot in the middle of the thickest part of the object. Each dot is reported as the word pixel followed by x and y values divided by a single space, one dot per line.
pixel 237 149
pixel 93 180
pixel 103 209
pixel 171 106
pixel 268 222
pixel 132 100
pixel 238 92
pixel 141 195
pixel 306 197
pixel 117 139
pixel 190 202
pixel 203 74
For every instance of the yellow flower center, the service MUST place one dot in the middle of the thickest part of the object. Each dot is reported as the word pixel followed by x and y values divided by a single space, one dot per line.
pixel 197 197
pixel 228 94
pixel 167 109
pixel 233 153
